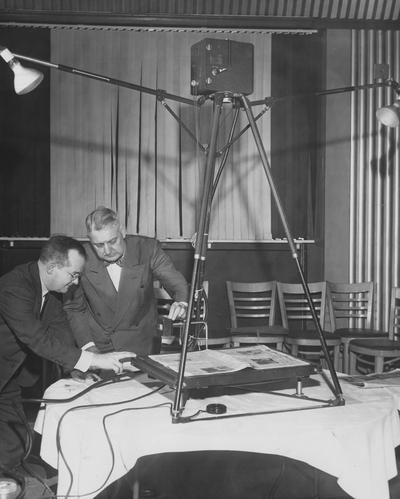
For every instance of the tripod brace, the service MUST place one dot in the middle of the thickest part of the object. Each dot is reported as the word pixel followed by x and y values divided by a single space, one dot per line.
pixel 203 232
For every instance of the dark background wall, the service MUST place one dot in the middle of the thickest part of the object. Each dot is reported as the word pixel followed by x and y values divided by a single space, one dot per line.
pixel 25 141
pixel 251 262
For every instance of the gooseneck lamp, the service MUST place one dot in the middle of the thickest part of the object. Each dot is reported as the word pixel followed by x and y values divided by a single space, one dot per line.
pixel 25 79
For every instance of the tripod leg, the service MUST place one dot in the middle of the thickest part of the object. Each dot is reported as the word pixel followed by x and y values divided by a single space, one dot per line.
pixel 201 246
pixel 264 159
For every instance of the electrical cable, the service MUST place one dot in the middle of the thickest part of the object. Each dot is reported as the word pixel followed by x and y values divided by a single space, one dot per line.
pixel 18 477
pixel 164 404
pixel 39 479
pixel 115 379
pixel 93 406
pixel 29 431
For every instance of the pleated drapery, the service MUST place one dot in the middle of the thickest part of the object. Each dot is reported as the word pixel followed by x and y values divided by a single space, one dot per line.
pixel 118 147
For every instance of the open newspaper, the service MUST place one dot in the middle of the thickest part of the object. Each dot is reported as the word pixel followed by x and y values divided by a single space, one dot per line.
pixel 390 378
pixel 205 362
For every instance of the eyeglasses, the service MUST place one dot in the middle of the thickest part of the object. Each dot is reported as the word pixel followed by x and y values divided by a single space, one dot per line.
pixel 74 276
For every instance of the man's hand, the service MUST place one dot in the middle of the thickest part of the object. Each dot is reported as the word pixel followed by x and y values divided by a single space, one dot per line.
pixel 178 310
pixel 83 377
pixel 92 348
pixel 112 361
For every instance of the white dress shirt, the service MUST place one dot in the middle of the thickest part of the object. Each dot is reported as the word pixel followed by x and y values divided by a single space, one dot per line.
pixel 114 271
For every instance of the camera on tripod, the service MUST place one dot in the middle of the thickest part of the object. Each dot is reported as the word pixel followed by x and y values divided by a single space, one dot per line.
pixel 219 65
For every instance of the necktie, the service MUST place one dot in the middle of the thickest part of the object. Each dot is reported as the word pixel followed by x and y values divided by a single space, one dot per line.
pixel 44 302
pixel 119 262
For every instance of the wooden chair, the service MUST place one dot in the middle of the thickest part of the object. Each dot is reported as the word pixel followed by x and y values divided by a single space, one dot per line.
pixel 252 307
pixel 302 339
pixel 351 308
pixel 379 355
pixel 172 332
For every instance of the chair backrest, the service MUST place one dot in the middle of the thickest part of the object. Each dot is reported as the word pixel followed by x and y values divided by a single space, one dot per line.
pixel 294 307
pixel 251 303
pixel 351 304
pixel 394 316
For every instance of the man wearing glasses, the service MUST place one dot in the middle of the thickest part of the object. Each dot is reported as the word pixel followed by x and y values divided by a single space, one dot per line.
pixel 114 307
pixel 32 319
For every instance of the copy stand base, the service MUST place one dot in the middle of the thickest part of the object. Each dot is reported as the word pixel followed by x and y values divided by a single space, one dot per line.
pixel 213 386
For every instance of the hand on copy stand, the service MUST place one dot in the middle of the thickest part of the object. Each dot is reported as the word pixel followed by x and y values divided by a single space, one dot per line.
pixel 114 361
pixel 178 310
pixel 82 377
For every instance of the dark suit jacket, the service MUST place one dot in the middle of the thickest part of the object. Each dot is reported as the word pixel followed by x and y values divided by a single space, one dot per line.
pixel 22 330
pixel 123 320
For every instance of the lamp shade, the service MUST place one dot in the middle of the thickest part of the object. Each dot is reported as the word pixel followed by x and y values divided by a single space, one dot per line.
pixel 25 79
pixel 389 115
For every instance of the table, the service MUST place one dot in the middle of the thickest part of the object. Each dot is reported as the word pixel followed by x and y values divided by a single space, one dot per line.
pixel 354 443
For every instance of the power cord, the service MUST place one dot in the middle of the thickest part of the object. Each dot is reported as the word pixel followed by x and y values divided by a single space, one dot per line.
pixel 93 406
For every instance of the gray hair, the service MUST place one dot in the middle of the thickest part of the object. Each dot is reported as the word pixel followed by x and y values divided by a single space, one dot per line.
pixel 101 217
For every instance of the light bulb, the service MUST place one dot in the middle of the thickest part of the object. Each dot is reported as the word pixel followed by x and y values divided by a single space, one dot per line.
pixel 389 115
pixel 25 79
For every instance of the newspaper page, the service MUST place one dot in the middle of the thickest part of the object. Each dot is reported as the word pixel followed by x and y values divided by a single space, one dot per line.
pixel 262 357
pixel 205 362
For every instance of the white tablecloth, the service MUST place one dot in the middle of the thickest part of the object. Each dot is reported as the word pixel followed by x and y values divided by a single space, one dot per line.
pixel 354 442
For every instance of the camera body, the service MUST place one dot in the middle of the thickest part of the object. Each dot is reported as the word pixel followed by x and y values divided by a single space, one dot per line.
pixel 219 65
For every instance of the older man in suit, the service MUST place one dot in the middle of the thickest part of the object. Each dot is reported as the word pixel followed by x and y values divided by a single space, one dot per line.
pixel 32 319
pixel 114 306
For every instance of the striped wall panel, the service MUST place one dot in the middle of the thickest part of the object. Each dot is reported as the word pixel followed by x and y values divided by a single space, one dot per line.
pixel 375 171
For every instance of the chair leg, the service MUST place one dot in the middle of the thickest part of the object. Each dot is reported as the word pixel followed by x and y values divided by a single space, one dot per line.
pixel 352 363
pixel 379 364
pixel 336 357
pixel 346 358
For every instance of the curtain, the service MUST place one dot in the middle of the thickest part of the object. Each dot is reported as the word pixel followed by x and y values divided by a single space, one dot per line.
pixel 121 148
pixel 296 124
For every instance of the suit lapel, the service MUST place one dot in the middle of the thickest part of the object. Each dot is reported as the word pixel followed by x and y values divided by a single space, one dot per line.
pixel 38 289
pixel 130 283
pixel 96 273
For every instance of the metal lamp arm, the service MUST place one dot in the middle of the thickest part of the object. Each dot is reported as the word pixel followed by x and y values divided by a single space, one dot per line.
pixel 159 93
pixel 269 101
